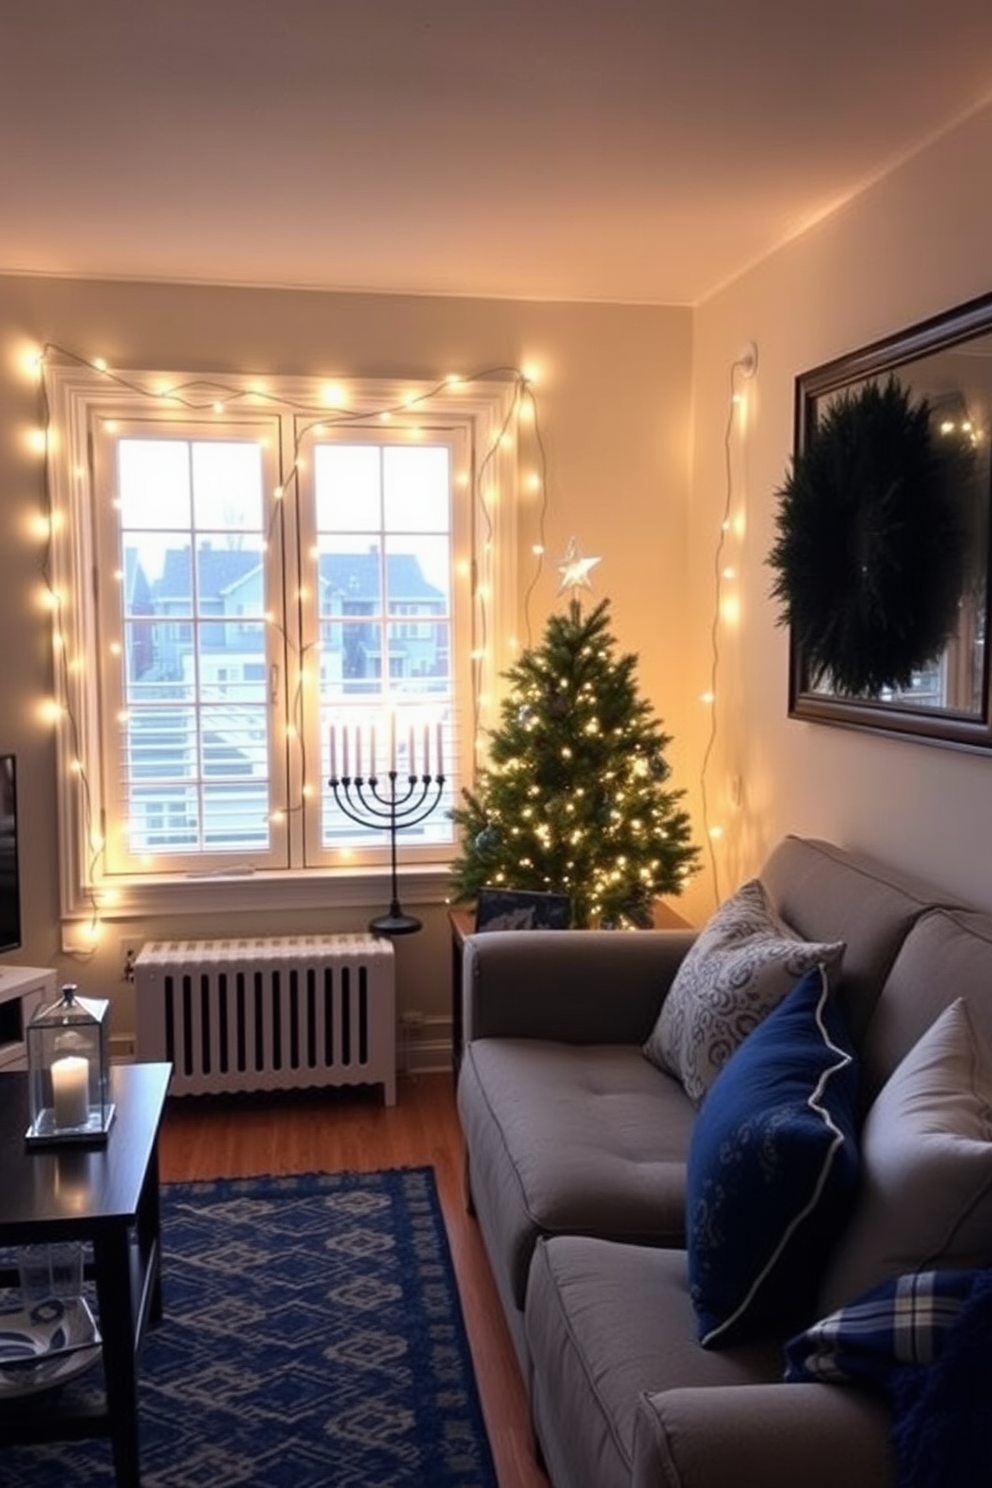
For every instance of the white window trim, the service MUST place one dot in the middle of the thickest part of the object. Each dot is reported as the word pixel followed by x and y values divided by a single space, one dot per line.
pixel 77 391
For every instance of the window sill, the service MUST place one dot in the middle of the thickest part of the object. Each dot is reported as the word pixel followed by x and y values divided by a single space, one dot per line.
pixel 260 893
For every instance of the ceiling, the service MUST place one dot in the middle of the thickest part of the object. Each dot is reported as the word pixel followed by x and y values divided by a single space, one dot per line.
pixel 609 150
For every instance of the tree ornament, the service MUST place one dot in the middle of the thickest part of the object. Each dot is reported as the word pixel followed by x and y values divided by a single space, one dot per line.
pixel 872 536
pixel 575 569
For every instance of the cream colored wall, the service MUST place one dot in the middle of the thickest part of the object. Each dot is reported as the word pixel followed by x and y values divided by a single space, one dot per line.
pixel 613 393
pixel 915 244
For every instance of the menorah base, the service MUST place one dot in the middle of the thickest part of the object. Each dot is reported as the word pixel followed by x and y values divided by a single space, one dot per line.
pixel 395 923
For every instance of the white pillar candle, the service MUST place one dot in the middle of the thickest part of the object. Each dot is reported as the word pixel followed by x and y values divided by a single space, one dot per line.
pixel 71 1090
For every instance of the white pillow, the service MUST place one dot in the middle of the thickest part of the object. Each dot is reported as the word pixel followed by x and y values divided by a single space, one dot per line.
pixel 926 1148
pixel 739 967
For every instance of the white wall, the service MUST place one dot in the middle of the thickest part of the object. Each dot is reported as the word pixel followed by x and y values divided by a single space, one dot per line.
pixel 613 391
pixel 915 244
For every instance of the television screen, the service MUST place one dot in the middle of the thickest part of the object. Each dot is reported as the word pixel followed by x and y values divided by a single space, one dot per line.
pixel 10 889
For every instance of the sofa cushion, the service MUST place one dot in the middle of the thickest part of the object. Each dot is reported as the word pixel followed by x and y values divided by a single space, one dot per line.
pixel 743 963
pixel 926 1192
pixel 605 1323
pixel 947 954
pixel 570 1138
pixel 826 892
pixel 772 1170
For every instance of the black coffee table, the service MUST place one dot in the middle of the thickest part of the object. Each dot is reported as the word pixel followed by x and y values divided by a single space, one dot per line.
pixel 106 1195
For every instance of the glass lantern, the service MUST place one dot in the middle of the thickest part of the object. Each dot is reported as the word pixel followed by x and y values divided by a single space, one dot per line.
pixel 68 1048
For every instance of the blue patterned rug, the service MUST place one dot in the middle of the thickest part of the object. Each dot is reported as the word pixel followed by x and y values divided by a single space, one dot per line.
pixel 313 1338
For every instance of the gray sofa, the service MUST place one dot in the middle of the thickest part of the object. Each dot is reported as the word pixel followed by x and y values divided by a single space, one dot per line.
pixel 576 1159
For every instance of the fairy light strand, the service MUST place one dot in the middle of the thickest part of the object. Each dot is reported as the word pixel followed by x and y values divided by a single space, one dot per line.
pixel 744 366
pixel 198 395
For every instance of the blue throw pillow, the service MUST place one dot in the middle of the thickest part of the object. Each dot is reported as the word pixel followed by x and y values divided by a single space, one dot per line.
pixel 772 1170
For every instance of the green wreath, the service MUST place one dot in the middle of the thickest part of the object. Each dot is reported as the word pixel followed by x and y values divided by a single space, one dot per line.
pixel 872 541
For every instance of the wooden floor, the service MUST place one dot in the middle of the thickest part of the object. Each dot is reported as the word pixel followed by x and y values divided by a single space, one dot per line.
pixel 326 1132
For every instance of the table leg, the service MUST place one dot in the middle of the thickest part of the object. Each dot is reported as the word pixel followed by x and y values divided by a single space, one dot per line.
pixel 112 1264
pixel 149 1236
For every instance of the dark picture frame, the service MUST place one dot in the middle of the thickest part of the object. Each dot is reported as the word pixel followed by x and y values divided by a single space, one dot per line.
pixel 520 909
pixel 946 360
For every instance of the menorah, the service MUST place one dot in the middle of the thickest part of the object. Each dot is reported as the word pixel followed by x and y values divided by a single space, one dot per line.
pixel 406 802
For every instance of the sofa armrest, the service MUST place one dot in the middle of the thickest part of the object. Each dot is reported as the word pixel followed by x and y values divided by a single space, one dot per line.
pixel 575 986
pixel 775 1436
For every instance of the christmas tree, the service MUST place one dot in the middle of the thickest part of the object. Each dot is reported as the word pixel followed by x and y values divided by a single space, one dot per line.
pixel 574 799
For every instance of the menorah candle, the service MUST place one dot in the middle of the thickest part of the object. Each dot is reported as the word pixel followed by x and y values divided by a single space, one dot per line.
pixel 438 763
pixel 358 749
pixel 334 752
pixel 372 750
pixel 392 739
pixel 344 749
pixel 410 761
pixel 427 751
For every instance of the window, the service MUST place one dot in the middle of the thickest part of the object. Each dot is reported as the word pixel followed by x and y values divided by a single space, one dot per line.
pixel 280 599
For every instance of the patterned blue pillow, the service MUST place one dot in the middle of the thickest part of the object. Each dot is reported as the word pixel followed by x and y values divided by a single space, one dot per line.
pixel 772 1171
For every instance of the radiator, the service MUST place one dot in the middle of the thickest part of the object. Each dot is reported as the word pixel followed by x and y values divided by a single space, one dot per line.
pixel 268 1014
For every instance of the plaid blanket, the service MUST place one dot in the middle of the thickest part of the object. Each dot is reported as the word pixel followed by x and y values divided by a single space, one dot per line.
pixel 924 1342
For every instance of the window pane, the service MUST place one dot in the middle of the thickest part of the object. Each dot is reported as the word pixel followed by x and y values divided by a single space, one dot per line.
pixel 384 559
pixel 350 577
pixel 153 477
pixel 195 688
pixel 236 816
pixel 349 487
pixel 227 487
pixel 160 744
pixel 234 743
pixel 163 820
pixel 158 576
pixel 415 480
pixel 418 574
pixel 351 660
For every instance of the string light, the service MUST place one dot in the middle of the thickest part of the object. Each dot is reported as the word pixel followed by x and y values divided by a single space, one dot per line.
pixel 726 608
pixel 203 395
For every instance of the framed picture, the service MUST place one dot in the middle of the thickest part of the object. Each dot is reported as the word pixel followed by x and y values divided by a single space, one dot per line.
pixel 943 367
pixel 513 909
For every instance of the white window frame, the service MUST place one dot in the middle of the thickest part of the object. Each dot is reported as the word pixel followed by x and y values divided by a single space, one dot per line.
pixel 485 568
